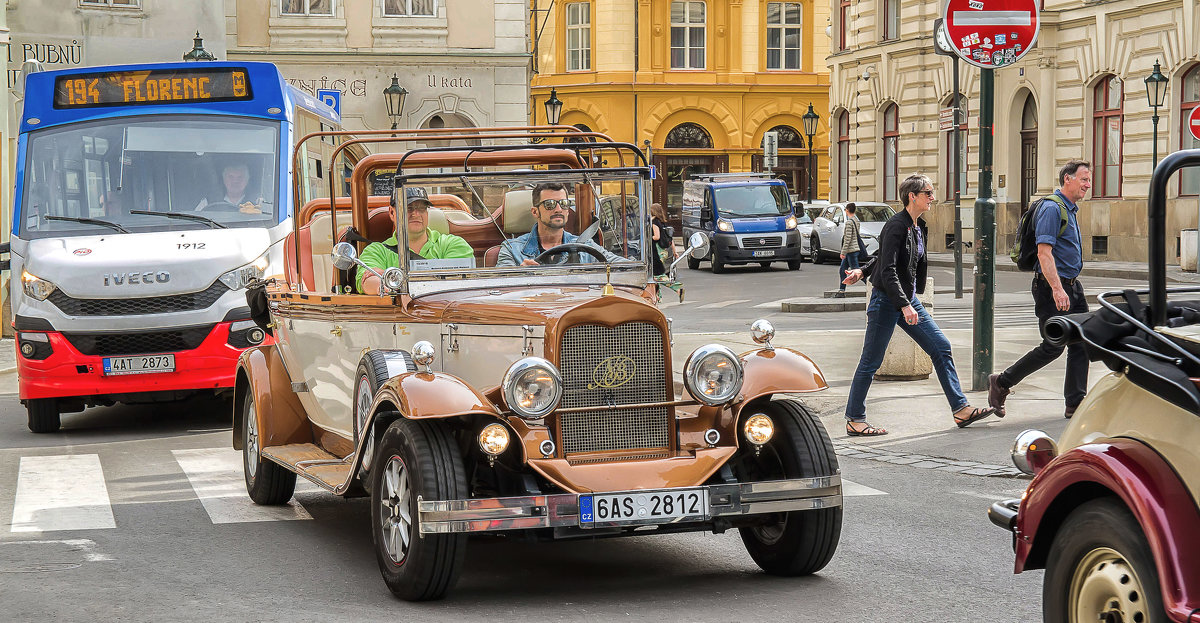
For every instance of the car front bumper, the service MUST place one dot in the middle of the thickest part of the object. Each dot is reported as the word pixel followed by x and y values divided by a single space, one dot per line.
pixel 562 510
pixel 736 248
pixel 1004 514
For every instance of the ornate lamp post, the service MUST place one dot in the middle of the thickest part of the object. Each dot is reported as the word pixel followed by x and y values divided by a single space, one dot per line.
pixel 393 98
pixel 553 108
pixel 1156 95
pixel 198 53
pixel 810 129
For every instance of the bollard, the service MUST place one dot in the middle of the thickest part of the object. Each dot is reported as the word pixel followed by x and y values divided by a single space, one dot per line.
pixel 1187 250
pixel 904 360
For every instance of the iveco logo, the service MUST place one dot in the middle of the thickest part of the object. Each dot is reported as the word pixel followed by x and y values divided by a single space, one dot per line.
pixel 116 279
pixel 613 372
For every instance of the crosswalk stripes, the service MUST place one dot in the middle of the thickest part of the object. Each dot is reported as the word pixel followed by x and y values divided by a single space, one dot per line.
pixel 69 492
pixel 1001 317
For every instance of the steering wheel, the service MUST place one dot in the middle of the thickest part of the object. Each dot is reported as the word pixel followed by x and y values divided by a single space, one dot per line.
pixel 572 250
pixel 220 206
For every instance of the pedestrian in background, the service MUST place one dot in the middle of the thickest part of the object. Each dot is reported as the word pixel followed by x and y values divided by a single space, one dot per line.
pixel 850 249
pixel 1056 289
pixel 664 244
pixel 897 276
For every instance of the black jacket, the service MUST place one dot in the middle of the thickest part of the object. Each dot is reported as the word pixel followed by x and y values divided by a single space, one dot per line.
pixel 894 269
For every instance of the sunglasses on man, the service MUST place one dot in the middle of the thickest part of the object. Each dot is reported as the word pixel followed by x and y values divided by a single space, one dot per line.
pixel 556 204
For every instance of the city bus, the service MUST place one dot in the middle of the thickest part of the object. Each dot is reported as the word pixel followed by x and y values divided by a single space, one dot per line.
pixel 147 198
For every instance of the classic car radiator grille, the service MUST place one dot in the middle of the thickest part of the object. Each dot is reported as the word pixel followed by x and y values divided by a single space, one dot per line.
pixel 604 367
pixel 144 305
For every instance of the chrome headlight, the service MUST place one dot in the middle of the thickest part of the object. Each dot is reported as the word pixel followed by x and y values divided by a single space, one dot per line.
pixel 1033 450
pixel 242 276
pixel 35 287
pixel 532 387
pixel 790 223
pixel 713 374
pixel 724 225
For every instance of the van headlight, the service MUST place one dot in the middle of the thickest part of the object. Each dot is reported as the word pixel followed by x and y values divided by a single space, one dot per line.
pixel 243 276
pixel 712 374
pixel 532 387
pixel 35 287
pixel 790 223
pixel 724 225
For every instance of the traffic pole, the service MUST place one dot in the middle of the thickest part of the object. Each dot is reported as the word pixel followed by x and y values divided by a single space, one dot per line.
pixel 955 164
pixel 985 242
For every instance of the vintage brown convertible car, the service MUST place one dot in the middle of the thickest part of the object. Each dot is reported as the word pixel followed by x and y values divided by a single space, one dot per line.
pixel 542 400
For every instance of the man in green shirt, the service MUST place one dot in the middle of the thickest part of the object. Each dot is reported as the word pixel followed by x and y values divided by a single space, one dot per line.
pixel 423 243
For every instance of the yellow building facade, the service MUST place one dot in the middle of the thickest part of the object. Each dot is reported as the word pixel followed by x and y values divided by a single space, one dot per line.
pixel 695 83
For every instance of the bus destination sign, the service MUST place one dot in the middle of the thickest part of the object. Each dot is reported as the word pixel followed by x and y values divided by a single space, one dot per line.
pixel 152 86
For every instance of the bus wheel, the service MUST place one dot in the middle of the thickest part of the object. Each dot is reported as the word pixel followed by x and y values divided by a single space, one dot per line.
pixel 43 415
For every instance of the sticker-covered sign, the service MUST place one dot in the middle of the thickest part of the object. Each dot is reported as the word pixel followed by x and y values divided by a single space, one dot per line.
pixel 991 33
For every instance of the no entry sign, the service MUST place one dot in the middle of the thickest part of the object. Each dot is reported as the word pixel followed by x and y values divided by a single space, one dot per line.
pixel 1193 123
pixel 992 33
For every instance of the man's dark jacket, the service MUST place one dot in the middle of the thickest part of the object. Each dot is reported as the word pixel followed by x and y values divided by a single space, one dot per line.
pixel 894 269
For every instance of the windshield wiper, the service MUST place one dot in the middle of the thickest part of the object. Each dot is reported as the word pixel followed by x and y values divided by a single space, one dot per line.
pixel 88 221
pixel 182 215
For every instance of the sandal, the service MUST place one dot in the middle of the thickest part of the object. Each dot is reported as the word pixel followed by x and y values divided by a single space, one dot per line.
pixel 976 414
pixel 868 431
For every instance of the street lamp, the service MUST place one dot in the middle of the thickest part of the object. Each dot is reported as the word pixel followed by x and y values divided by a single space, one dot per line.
pixel 810 128
pixel 553 108
pixel 1156 94
pixel 393 98
pixel 198 53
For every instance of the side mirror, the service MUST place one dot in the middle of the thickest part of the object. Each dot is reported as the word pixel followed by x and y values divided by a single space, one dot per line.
pixel 344 256
pixel 393 278
pixel 698 245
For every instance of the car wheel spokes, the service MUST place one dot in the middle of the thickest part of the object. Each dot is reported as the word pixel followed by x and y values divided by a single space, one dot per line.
pixel 1105 587
pixel 251 441
pixel 394 510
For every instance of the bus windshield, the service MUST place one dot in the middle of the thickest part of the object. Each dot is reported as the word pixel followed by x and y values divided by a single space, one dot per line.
pixel 142 174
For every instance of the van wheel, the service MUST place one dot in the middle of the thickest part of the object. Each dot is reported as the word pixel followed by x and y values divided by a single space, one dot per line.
pixel 43 415
pixel 718 265
pixel 795 542
pixel 267 482
pixel 795 264
pixel 693 263
pixel 416 459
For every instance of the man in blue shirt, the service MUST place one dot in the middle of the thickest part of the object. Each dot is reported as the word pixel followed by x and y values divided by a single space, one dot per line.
pixel 1056 289
pixel 551 206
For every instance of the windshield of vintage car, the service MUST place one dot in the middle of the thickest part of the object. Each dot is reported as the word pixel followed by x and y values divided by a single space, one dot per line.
pixel 571 221
pixel 191 172
pixel 753 201
pixel 873 214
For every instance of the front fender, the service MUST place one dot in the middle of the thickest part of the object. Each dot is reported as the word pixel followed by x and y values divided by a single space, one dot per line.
pixel 1149 488
pixel 776 371
pixel 424 395
pixel 281 418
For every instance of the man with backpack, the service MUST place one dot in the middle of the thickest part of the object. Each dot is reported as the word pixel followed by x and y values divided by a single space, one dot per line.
pixel 1051 227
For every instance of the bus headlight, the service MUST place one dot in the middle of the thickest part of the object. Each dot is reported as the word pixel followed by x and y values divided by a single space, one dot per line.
pixel 493 439
pixel 35 287
pixel 724 225
pixel 712 374
pixel 532 387
pixel 243 276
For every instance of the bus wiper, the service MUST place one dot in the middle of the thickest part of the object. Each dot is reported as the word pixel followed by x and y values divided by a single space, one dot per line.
pixel 182 215
pixel 88 221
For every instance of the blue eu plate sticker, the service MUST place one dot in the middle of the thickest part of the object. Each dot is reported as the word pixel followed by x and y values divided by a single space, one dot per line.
pixel 585 509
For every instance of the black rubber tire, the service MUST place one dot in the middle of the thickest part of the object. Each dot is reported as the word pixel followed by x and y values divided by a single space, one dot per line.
pixel 693 263
pixel 372 373
pixel 271 484
pixel 1101 523
pixel 795 264
pixel 433 469
pixel 43 415
pixel 718 264
pixel 801 542
pixel 814 247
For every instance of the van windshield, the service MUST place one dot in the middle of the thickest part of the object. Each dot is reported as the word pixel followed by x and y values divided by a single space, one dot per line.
pixel 752 201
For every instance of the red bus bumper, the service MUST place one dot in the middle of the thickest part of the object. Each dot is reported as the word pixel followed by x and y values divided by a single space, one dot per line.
pixel 70 373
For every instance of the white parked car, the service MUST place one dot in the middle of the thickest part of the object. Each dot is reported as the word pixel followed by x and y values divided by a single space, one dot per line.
pixel 806 211
pixel 825 239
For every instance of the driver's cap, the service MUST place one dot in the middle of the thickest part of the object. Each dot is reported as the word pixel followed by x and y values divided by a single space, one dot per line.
pixel 414 194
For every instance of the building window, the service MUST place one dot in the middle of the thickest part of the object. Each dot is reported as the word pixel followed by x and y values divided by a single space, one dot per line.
pixel 688 136
pixel 843 156
pixel 784 23
pixel 406 8
pixel 125 4
pixel 1189 178
pixel 1107 137
pixel 843 17
pixel 789 138
pixel 891 20
pixel 306 7
pixel 687 35
pixel 891 147
pixel 579 36
pixel 962 149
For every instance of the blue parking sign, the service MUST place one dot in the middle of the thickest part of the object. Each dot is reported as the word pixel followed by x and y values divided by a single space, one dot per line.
pixel 331 98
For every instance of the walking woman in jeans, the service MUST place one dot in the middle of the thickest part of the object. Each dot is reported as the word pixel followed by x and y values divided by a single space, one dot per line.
pixel 850 249
pixel 897 276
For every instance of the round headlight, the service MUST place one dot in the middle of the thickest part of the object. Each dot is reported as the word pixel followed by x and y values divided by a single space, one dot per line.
pixel 422 353
pixel 758 429
pixel 493 439
pixel 1033 450
pixel 532 387
pixel 762 331
pixel 712 374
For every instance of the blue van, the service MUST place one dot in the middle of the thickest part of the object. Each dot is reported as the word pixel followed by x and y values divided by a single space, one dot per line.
pixel 748 216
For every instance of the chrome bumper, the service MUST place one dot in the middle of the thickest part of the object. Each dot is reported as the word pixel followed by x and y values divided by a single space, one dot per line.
pixel 1004 513
pixel 551 511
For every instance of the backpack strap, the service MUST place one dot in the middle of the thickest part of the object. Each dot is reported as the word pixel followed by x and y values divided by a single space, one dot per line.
pixel 1062 212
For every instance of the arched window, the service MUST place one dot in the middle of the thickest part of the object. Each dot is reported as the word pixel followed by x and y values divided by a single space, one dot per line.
pixel 688 136
pixel 583 127
pixel 1107 137
pixel 948 140
pixel 1189 178
pixel 789 138
pixel 843 156
pixel 891 150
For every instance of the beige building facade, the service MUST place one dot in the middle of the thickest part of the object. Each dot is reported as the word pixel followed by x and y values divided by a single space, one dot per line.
pixel 1080 93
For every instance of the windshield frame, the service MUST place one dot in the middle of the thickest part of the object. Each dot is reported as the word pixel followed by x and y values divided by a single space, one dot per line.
pixel 80 181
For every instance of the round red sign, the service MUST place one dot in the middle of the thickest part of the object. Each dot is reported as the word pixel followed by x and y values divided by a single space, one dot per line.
pixel 1193 123
pixel 991 33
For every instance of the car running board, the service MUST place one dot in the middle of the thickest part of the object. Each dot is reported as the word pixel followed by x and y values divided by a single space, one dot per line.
pixel 313 463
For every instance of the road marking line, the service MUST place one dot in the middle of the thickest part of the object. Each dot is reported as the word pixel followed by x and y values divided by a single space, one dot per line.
pixel 854 489
pixel 723 304
pixel 773 304
pixel 217 478
pixel 61 493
